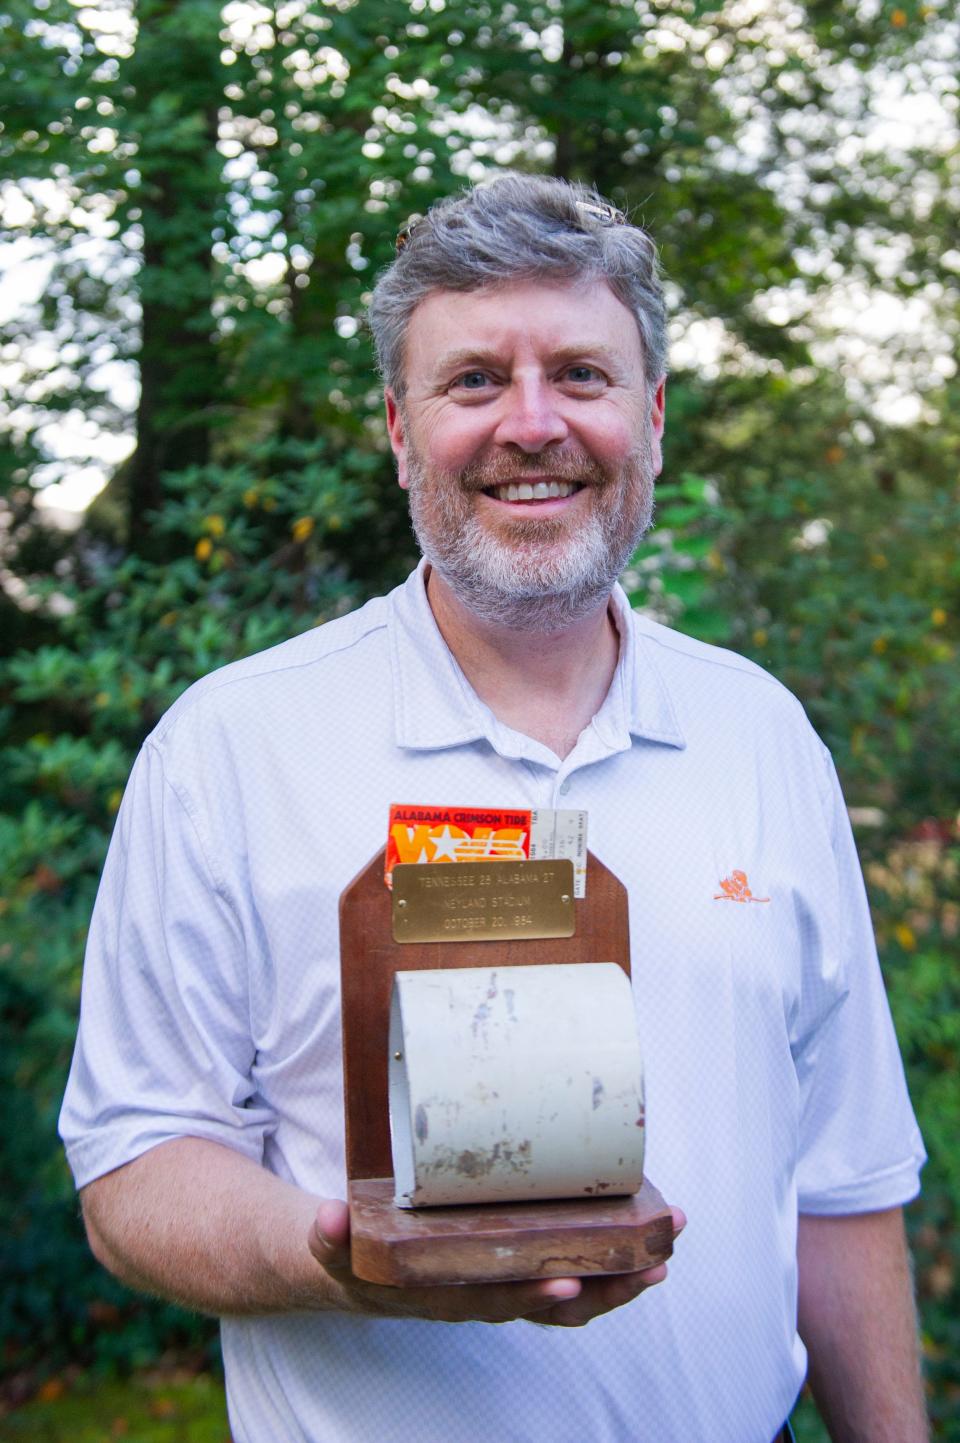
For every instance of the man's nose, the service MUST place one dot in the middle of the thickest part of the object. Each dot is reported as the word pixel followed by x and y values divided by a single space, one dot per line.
pixel 531 418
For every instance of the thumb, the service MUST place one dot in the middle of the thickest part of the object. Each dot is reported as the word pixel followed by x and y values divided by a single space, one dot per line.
pixel 329 1236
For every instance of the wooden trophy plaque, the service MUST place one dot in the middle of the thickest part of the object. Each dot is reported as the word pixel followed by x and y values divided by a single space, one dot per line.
pixel 470 1242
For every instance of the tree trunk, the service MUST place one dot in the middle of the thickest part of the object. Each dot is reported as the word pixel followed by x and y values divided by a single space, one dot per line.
pixel 175 73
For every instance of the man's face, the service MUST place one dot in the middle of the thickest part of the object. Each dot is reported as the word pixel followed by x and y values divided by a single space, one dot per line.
pixel 529 440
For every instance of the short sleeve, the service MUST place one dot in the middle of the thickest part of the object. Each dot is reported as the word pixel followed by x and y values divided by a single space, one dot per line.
pixel 860 1147
pixel 164 1048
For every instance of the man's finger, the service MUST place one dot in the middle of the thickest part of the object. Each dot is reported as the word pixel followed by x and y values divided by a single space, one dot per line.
pixel 329 1237
pixel 493 1302
pixel 602 1295
pixel 554 1291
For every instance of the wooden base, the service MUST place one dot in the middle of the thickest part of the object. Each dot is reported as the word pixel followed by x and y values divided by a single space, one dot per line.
pixel 500 1242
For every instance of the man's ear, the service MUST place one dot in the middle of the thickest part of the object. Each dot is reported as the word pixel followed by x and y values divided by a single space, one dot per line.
pixel 396 430
pixel 657 417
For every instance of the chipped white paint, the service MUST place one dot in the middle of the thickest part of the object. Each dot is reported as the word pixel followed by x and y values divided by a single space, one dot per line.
pixel 514 1083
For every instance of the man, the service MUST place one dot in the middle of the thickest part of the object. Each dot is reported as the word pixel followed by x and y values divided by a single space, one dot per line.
pixel 521 337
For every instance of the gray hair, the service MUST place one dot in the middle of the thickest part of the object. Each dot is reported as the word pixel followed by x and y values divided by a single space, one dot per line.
pixel 518 227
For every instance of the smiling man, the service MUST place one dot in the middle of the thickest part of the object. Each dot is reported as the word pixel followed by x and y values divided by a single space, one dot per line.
pixel 530 462
pixel 521 335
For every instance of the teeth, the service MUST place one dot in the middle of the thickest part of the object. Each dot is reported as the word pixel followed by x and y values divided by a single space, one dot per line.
pixel 539 491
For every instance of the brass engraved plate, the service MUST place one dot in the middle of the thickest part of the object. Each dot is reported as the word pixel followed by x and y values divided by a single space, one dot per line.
pixel 482 901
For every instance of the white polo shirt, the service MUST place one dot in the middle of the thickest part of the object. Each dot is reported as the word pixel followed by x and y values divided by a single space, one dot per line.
pixel 210 1008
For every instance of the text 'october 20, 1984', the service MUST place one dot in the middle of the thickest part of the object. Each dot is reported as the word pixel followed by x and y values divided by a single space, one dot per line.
pixel 482 900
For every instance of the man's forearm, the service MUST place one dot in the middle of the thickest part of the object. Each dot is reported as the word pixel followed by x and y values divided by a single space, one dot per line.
pixel 857 1319
pixel 206 1227
pixel 198 1223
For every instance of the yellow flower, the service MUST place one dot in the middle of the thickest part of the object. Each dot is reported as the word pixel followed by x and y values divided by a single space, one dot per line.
pixel 879 645
pixel 905 936
pixel 251 496
pixel 168 618
pixel 102 699
pixel 938 616
pixel 114 799
pixel 203 549
pixel 303 528
pixel 215 525
pixel 759 637
pixel 878 561
pixel 899 19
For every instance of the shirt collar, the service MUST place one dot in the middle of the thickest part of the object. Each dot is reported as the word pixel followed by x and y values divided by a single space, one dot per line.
pixel 436 707
pixel 644 705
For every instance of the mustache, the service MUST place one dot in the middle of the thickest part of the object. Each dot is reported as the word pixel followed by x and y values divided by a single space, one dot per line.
pixel 501 469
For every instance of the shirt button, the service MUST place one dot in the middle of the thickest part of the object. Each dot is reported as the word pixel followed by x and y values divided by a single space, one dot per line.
pixel 564 788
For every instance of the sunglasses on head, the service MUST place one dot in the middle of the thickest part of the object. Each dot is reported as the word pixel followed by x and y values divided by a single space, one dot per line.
pixel 601 214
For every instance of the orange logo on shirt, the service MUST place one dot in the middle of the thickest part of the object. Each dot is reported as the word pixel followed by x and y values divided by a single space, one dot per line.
pixel 735 889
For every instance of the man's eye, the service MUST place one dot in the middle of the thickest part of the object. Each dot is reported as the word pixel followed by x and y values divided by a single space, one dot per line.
pixel 472 380
pixel 583 374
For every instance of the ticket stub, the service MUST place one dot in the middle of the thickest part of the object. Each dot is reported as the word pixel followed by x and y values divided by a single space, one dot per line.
pixel 561 834
pixel 484 834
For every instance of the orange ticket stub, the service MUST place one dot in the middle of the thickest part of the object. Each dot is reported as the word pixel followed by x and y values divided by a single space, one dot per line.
pixel 481 834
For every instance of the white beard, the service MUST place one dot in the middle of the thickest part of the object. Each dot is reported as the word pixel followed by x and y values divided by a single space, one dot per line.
pixel 532 575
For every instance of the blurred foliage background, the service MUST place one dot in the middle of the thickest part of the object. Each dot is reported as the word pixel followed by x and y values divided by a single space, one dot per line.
pixel 206 193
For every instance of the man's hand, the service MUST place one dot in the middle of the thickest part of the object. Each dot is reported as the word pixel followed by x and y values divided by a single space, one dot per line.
pixel 559 1302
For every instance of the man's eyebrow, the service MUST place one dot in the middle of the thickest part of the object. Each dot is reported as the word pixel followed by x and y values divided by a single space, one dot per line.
pixel 478 356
